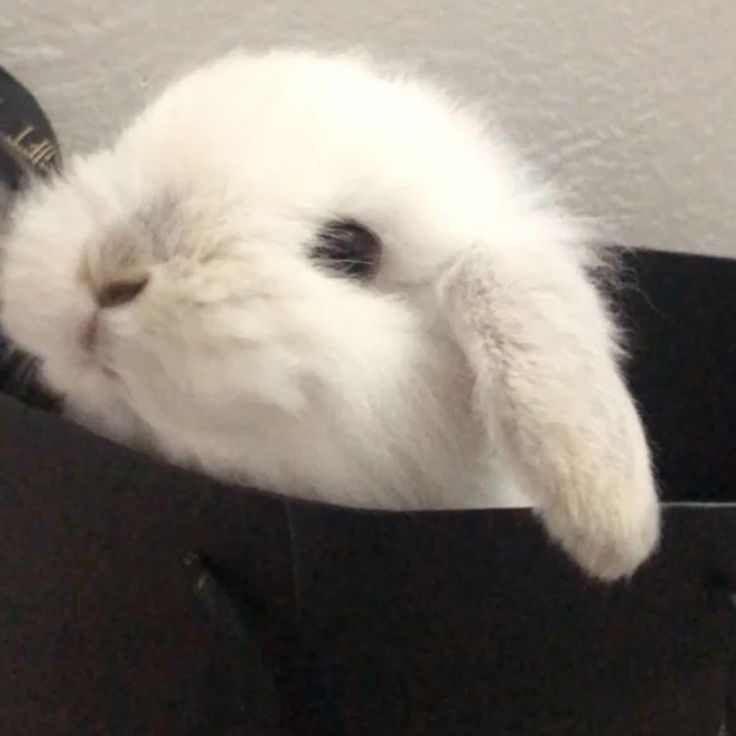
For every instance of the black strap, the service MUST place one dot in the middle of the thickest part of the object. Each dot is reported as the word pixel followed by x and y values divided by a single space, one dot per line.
pixel 28 147
pixel 27 140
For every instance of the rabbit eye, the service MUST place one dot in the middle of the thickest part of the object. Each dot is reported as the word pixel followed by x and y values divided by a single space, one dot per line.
pixel 349 248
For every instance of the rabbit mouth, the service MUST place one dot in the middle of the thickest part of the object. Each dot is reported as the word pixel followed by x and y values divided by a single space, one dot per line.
pixel 88 338
pixel 109 372
pixel 90 343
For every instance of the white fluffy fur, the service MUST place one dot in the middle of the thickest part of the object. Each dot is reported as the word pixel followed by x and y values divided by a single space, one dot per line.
pixel 481 360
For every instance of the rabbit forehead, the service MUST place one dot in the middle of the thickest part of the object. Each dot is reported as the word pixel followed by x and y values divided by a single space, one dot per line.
pixel 319 134
pixel 296 140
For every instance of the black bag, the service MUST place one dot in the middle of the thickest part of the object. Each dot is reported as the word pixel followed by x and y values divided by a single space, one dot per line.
pixel 141 599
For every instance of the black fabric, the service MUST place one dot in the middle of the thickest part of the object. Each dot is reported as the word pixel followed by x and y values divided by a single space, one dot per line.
pixel 361 622
pixel 680 311
pixel 136 598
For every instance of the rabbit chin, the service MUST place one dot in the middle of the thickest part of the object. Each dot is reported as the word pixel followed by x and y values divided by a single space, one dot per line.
pixel 390 435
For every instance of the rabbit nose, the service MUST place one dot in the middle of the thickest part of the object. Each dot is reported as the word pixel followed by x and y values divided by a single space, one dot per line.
pixel 117 293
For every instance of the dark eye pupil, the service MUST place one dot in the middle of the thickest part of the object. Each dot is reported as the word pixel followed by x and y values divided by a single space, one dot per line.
pixel 349 248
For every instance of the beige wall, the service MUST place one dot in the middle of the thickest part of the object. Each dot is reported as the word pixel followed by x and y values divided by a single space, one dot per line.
pixel 630 103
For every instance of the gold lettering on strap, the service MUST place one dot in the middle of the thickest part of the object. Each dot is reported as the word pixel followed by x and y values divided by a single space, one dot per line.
pixel 23 134
pixel 40 154
pixel 40 151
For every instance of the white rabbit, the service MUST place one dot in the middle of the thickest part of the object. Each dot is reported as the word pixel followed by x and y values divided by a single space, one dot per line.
pixel 298 272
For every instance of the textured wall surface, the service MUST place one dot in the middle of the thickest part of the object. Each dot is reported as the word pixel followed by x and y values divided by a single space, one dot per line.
pixel 630 104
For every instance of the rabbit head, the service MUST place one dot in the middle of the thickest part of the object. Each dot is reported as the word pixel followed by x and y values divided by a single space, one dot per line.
pixel 298 272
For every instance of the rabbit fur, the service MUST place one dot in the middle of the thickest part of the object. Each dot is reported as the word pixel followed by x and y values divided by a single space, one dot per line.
pixel 477 367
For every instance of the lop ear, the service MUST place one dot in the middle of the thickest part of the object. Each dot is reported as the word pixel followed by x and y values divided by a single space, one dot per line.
pixel 537 337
